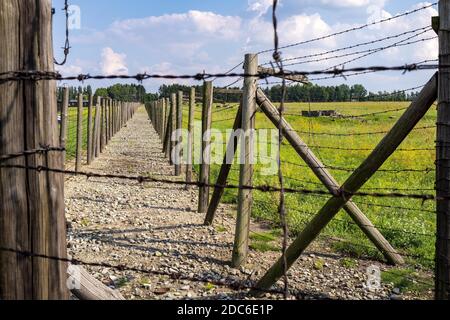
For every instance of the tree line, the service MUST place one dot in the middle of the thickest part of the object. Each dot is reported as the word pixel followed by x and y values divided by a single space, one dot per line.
pixel 302 93
pixel 294 93
pixel 341 93
pixel 122 92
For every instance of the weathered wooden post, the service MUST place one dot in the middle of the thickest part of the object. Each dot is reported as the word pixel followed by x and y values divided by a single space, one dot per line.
pixel 166 142
pixel 179 151
pixel 107 107
pixel 79 133
pixel 245 197
pixel 205 166
pixel 102 124
pixel 97 128
pixel 190 137
pixel 442 273
pixel 89 131
pixel 31 216
pixel 173 102
pixel 163 119
pixel 111 119
pixel 63 127
pixel 115 118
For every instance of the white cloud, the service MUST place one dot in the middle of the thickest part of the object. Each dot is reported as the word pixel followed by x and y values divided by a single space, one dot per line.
pixel 113 63
pixel 191 23
pixel 353 3
pixel 69 69
pixel 259 6
pixel 194 41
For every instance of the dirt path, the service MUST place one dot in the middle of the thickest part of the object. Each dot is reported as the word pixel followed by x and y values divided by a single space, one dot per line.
pixel 156 227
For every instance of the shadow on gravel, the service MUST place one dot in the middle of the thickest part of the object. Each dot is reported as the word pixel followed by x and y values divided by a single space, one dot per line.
pixel 107 237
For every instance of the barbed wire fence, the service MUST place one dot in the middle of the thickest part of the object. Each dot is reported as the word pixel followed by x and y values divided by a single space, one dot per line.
pixel 113 114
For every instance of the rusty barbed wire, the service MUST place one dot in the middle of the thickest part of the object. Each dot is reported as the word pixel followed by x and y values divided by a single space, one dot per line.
pixel 51 75
pixel 66 47
pixel 353 46
pixel 354 29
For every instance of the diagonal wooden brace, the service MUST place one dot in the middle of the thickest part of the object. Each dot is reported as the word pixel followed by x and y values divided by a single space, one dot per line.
pixel 369 167
pixel 328 180
pixel 224 170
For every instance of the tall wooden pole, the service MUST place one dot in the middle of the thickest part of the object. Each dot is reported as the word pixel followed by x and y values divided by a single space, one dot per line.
pixel 179 150
pixel 166 142
pixel 206 151
pixel 96 149
pixel 64 115
pixel 443 157
pixel 31 203
pixel 190 137
pixel 89 131
pixel 79 148
pixel 245 197
pixel 102 124
pixel 173 103
pixel 163 118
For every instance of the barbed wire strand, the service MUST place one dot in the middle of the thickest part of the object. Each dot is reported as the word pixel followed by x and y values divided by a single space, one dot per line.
pixel 66 48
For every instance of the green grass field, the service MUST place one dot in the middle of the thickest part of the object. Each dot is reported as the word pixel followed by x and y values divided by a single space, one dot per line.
pixel 71 143
pixel 409 225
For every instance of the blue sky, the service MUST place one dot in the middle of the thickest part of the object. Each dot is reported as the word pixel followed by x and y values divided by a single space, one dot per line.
pixel 189 36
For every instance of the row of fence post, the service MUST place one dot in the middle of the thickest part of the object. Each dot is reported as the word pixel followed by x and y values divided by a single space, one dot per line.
pixel 245 120
pixel 104 120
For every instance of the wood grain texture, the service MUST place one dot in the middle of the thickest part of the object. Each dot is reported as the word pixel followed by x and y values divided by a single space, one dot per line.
pixel 31 202
pixel 178 166
pixel 90 289
pixel 89 130
pixel 190 137
pixel 245 197
pixel 79 145
pixel 205 150
pixel 443 155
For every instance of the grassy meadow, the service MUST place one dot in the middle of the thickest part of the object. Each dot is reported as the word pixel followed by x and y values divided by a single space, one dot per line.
pixel 71 143
pixel 409 225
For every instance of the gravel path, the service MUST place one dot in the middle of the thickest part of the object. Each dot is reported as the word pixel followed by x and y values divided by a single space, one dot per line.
pixel 155 227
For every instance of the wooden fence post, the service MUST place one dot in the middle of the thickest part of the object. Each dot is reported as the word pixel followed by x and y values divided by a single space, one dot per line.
pixel 110 126
pixel 179 151
pixel 103 125
pixel 107 124
pixel 63 127
pixel 32 218
pixel 190 138
pixel 163 119
pixel 166 142
pixel 89 131
pixel 173 102
pixel 159 117
pixel 97 128
pixel 79 147
pixel 245 197
pixel 442 274
pixel 205 166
